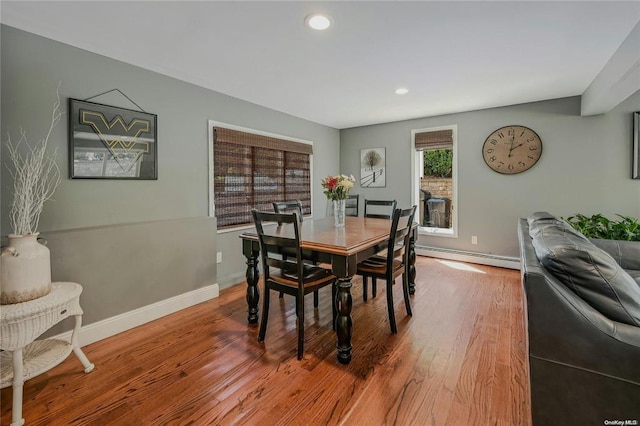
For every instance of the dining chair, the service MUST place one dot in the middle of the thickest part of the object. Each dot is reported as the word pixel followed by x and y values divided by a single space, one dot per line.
pixel 296 278
pixel 379 209
pixel 394 263
pixel 352 205
pixel 289 207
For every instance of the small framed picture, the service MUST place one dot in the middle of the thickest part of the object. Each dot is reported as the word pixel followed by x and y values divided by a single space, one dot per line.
pixel 107 142
pixel 372 168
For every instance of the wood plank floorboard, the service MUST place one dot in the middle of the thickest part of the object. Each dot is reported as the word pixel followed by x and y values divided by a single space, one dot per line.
pixel 459 360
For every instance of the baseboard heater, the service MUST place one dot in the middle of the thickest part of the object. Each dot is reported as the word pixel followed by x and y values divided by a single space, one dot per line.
pixel 469 256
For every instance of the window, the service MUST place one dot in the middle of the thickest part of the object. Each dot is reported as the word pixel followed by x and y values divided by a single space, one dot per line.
pixel 252 170
pixel 435 179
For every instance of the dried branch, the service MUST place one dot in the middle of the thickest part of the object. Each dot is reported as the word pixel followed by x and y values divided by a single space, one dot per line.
pixel 35 176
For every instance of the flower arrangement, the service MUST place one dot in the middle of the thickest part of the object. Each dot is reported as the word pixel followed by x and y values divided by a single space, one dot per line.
pixel 337 187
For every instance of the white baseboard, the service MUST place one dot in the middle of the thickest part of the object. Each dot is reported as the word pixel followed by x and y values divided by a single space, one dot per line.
pixel 128 320
pixel 469 256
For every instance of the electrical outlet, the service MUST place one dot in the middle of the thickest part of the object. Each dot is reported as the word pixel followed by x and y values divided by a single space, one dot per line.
pixel 474 240
pixel 219 257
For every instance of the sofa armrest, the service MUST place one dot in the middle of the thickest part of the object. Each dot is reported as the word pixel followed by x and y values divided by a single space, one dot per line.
pixel 563 328
pixel 563 331
pixel 626 253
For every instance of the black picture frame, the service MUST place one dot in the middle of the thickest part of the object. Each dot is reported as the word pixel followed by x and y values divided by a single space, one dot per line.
pixel 107 142
pixel 373 164
pixel 635 168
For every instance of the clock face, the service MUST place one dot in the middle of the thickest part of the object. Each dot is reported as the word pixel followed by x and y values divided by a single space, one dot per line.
pixel 512 149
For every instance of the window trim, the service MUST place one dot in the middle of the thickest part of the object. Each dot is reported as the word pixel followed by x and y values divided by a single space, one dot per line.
pixel 417 166
pixel 211 187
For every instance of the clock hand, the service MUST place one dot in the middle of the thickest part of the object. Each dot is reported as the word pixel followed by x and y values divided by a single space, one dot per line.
pixel 511 145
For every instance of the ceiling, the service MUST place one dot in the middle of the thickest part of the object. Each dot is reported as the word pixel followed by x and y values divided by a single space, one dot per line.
pixel 452 56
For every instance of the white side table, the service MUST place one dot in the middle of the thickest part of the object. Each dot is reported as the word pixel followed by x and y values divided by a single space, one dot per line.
pixel 23 357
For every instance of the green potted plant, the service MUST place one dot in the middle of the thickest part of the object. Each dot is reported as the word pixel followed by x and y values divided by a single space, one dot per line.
pixel 597 226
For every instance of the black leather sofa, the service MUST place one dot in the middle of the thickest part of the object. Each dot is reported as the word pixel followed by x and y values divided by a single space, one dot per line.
pixel 583 320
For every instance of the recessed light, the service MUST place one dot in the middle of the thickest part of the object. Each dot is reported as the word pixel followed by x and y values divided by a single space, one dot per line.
pixel 402 91
pixel 318 21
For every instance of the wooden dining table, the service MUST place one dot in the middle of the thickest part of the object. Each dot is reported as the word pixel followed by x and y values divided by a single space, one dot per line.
pixel 343 248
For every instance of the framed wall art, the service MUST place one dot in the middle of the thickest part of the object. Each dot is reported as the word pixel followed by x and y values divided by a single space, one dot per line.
pixel 635 170
pixel 372 168
pixel 107 142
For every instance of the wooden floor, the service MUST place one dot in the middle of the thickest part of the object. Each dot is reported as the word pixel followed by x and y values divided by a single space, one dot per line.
pixel 460 360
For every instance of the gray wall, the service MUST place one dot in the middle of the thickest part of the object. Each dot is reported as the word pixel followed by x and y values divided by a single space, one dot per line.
pixel 90 219
pixel 585 168
pixel 123 267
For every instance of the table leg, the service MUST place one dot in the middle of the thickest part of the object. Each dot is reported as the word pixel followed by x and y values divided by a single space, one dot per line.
pixel 253 293
pixel 343 321
pixel 88 367
pixel 412 265
pixel 18 382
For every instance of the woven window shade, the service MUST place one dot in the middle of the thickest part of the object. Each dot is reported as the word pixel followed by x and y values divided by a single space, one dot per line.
pixel 248 176
pixel 439 139
pixel 260 141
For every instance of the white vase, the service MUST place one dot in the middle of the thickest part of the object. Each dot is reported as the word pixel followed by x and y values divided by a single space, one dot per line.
pixel 25 269
pixel 339 213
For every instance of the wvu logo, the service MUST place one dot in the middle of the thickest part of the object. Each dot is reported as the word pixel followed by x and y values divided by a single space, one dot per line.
pixel 119 136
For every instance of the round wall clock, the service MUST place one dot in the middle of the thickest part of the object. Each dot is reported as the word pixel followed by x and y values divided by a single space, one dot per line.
pixel 512 149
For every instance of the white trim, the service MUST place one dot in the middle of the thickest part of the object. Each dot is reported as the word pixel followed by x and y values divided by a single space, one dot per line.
pixel 469 256
pixel 128 320
pixel 252 227
pixel 212 124
pixel 439 232
pixel 212 203
pixel 236 229
pixel 415 189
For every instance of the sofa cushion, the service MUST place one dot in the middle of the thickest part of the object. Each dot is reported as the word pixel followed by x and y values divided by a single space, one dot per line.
pixel 626 253
pixel 534 217
pixel 590 272
pixel 540 221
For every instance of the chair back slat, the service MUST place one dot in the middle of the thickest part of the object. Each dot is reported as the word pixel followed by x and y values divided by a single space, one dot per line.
pixel 272 240
pixel 382 209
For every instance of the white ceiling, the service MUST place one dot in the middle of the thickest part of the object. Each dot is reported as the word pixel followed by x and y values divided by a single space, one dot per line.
pixel 452 56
